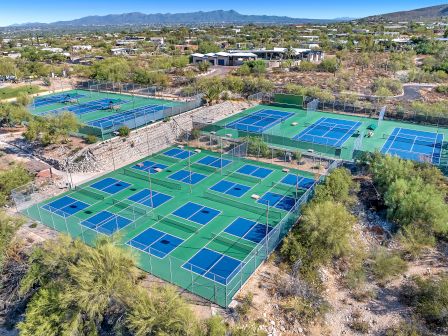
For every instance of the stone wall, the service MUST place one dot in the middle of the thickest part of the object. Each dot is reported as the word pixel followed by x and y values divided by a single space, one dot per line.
pixel 118 152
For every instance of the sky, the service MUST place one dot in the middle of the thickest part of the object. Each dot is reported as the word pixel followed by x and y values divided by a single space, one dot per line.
pixel 14 11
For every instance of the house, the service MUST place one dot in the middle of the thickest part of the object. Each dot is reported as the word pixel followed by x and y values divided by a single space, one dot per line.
pixel 53 50
pixel 81 47
pixel 186 47
pixel 281 53
pixel 160 41
pixel 223 58
pixel 123 51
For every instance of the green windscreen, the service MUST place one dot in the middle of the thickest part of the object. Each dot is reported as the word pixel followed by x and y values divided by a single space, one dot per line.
pixel 288 100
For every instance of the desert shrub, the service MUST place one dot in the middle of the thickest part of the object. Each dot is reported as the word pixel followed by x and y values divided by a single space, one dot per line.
pixel 91 139
pixel 429 297
pixel 386 265
pixel 124 131
pixel 337 187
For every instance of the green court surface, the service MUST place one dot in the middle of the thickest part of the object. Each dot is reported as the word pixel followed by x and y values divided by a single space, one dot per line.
pixel 99 118
pixel 190 217
pixel 302 131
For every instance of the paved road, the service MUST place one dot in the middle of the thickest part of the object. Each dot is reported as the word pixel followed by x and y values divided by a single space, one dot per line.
pixel 411 91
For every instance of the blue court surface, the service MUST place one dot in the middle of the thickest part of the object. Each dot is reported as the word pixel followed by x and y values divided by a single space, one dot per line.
pixel 254 171
pixel 110 185
pixel 149 166
pixel 230 188
pixel 279 201
pixel 414 145
pixel 149 112
pixel 106 222
pixel 65 206
pixel 178 153
pixel 249 230
pixel 187 177
pixel 155 242
pixel 196 213
pixel 213 161
pixel 150 198
pixel 260 121
pixel 214 265
pixel 60 98
pixel 329 131
pixel 94 105
pixel 298 181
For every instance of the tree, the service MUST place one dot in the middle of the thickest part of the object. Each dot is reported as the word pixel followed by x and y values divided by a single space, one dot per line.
pixel 15 176
pixel 324 233
pixel 13 114
pixel 8 227
pixel 78 290
pixel 208 47
pixel 77 287
pixel 338 187
pixel 329 65
pixel 161 312
pixel 8 67
pixel 52 129
pixel 213 92
pixel 114 69
pixel 412 201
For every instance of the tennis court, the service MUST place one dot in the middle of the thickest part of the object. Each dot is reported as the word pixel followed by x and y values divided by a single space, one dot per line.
pixel 260 121
pixel 95 105
pixel 329 132
pixel 102 113
pixel 151 112
pixel 205 230
pixel 414 145
pixel 59 98
pixel 337 135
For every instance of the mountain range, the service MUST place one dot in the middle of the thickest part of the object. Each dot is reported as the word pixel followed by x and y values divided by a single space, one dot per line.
pixel 211 17
pixel 226 17
pixel 420 14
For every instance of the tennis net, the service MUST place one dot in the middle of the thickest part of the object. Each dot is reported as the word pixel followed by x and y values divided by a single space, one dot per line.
pixel 243 206
pixel 167 184
pixel 244 177
pixel 126 207
pixel 177 224
pixel 233 243
pixel 90 193
pixel 131 172
pixel 168 158
pixel 203 168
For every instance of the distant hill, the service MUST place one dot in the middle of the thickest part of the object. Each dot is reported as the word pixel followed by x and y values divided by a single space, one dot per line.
pixel 421 14
pixel 196 18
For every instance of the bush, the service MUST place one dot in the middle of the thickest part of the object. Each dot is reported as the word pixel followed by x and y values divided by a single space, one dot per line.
pixel 324 233
pixel 15 176
pixel 91 139
pixel 338 187
pixel 329 65
pixel 257 147
pixel 442 89
pixel 429 297
pixel 246 303
pixel 381 86
pixel 124 131
pixel 405 329
pixel 204 66
pixel 386 265
pixel 215 326
pixel 195 133
pixel 360 326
